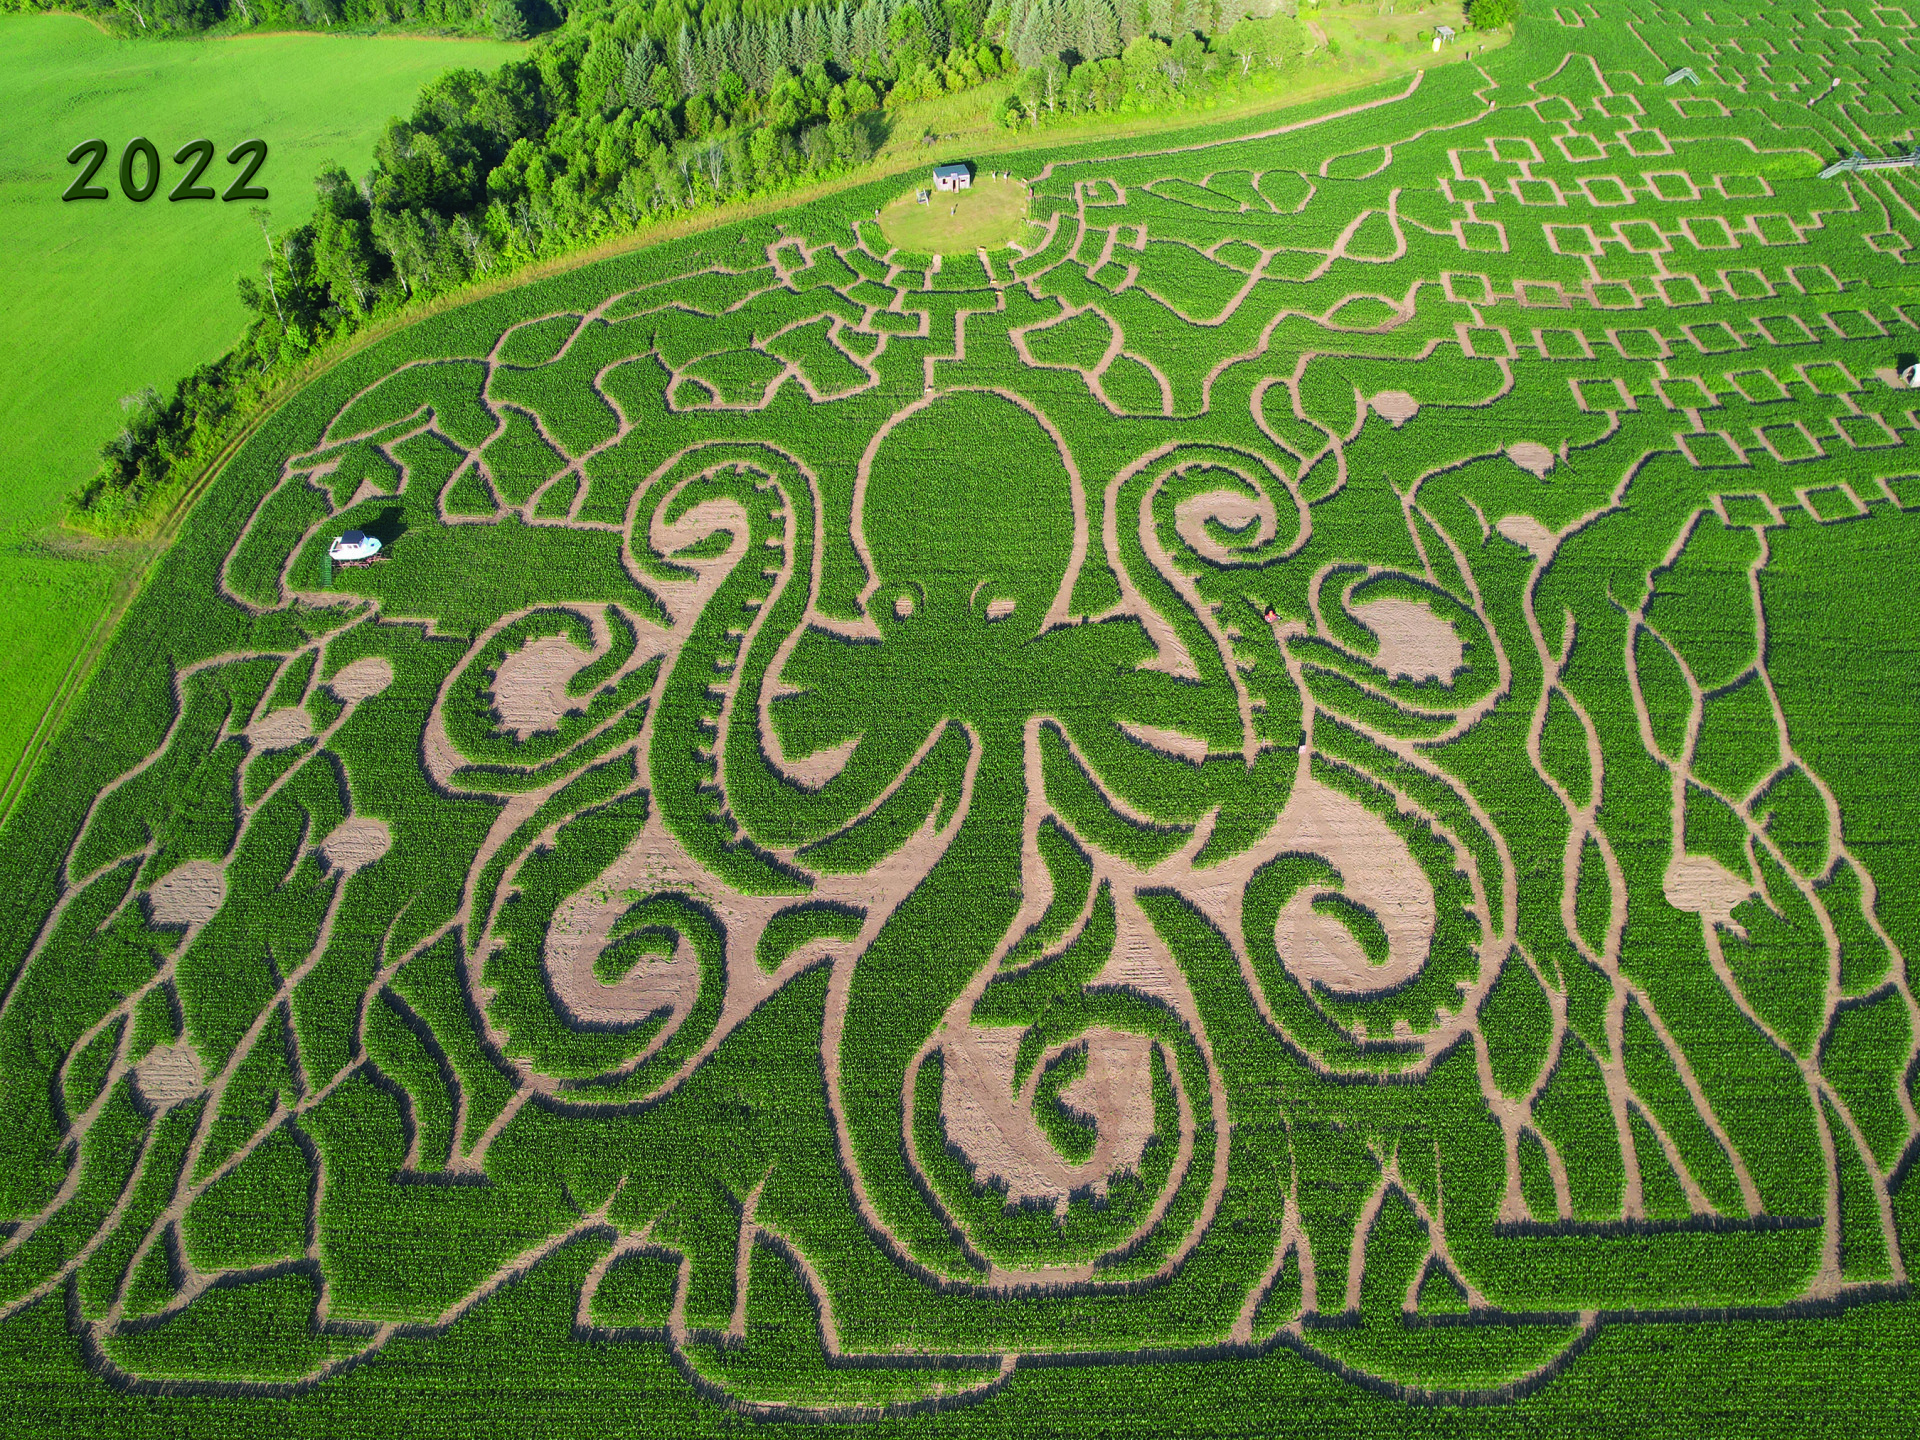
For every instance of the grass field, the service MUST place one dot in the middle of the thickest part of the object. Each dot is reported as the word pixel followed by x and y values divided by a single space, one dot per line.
pixel 989 215
pixel 117 296
pixel 1282 809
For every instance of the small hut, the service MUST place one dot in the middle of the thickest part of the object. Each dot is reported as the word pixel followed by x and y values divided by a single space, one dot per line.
pixel 952 177
pixel 1910 372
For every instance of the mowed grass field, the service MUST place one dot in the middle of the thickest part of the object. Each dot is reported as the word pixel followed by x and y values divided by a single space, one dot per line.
pixel 986 216
pixel 104 297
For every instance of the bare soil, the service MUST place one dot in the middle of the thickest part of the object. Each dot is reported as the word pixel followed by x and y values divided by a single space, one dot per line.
pixel 1532 457
pixel 169 1075
pixel 530 689
pixel 1396 407
pixel 189 895
pixel 1414 642
pixel 355 844
pixel 281 730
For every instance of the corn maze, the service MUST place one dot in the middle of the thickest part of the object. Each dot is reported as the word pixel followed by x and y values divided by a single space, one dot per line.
pixel 1319 759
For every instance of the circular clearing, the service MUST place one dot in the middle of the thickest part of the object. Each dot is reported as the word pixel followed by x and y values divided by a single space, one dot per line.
pixel 530 687
pixel 1396 407
pixel 169 1076
pixel 355 844
pixel 983 217
pixel 188 895
pixel 1415 643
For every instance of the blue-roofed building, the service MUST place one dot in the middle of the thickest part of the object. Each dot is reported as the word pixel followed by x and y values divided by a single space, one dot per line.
pixel 952 177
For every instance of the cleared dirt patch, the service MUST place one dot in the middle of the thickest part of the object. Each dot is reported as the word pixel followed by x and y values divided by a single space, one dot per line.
pixel 169 1075
pixel 362 680
pixel 813 771
pixel 1379 875
pixel 1706 887
pixel 1190 748
pixel 994 1125
pixel 356 844
pixel 530 688
pixel 1396 407
pixel 1251 520
pixel 1532 457
pixel 1529 534
pixel 1414 642
pixel 281 730
pixel 190 895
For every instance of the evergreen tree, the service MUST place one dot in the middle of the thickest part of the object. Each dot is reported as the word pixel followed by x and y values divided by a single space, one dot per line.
pixel 840 38
pixel 1040 32
pixel 686 60
pixel 1023 38
pixel 709 59
pixel 753 50
pixel 938 37
pixel 508 17
pixel 776 54
pixel 819 46
pixel 1096 33
pixel 869 36
pixel 636 80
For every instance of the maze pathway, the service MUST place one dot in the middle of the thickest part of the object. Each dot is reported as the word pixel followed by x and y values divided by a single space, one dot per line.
pixel 1299 761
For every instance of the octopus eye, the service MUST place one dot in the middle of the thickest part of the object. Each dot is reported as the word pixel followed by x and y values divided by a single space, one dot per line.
pixel 999 609
pixel 903 607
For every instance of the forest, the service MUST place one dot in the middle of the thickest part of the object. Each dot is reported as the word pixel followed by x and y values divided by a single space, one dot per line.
pixel 631 112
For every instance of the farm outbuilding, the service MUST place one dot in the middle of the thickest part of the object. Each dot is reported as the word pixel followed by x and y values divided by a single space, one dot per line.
pixel 952 177
pixel 1910 372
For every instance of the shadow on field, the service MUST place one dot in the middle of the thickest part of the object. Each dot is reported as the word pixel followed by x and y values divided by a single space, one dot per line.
pixel 386 527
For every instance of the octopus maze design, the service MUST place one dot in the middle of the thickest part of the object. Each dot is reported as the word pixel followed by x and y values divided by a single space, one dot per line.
pixel 1224 780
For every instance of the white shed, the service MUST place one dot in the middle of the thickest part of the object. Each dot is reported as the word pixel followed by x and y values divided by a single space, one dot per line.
pixel 952 177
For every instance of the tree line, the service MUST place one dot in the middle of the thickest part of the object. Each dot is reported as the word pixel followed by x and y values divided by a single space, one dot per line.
pixel 626 112
pixel 633 110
